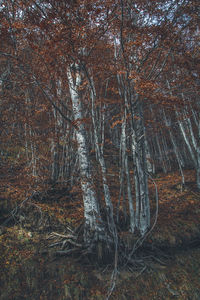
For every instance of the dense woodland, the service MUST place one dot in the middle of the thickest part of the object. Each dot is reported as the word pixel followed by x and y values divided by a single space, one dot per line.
pixel 100 97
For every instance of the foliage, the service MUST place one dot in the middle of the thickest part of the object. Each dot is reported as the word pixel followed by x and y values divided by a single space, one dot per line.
pixel 97 98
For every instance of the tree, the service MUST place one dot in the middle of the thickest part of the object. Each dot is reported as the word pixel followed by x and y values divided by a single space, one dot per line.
pixel 99 76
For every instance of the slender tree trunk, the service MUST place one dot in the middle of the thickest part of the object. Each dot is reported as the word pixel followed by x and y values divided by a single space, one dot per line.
pixel 141 182
pixel 130 198
pixel 93 223
pixel 100 157
pixel 122 168
pixel 55 161
pixel 175 147
pixel 33 153
pixel 142 212
pixel 150 163
pixel 26 142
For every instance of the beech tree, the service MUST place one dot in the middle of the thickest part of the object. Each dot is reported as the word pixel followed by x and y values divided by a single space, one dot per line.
pixel 87 77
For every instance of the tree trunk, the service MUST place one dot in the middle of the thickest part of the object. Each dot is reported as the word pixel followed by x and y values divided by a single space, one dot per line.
pixel 141 183
pixel 175 147
pixel 93 222
pixel 100 159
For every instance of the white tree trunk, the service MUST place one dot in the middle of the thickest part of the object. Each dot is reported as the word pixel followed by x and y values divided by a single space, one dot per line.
pixel 91 207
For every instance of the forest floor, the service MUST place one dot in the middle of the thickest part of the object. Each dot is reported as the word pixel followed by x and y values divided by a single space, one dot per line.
pixel 29 268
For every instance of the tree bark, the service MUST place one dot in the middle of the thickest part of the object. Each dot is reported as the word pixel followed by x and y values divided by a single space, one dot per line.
pixel 93 222
pixel 141 182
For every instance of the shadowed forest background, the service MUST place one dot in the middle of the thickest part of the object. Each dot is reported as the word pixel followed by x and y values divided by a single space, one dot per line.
pixel 99 149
